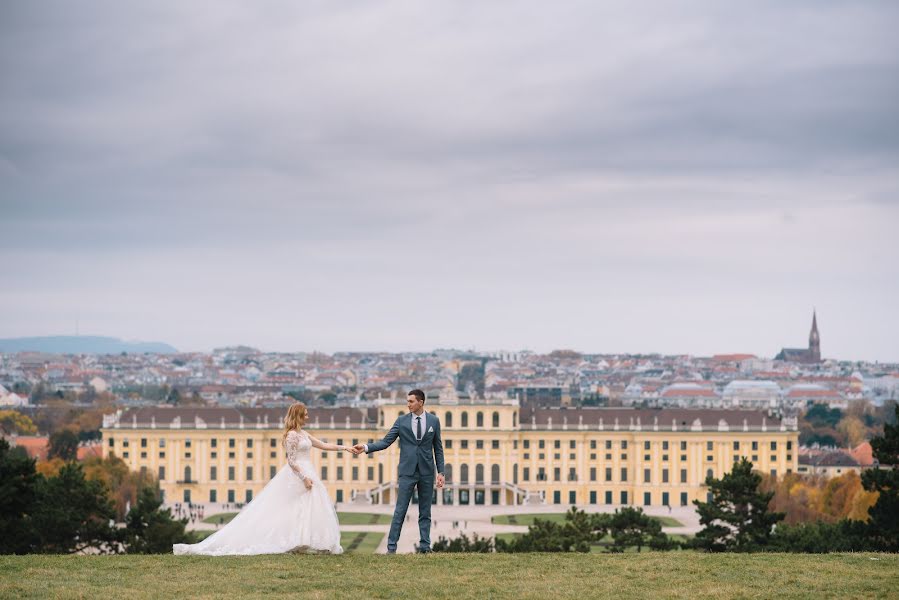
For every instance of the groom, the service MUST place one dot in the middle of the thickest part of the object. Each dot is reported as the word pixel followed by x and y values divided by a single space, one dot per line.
pixel 420 446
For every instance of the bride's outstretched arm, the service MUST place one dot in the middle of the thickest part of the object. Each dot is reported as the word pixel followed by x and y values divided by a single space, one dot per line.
pixel 317 443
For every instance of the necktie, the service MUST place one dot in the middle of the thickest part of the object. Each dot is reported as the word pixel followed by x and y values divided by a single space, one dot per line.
pixel 418 434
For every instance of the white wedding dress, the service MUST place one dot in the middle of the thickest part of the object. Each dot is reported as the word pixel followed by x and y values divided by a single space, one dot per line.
pixel 284 517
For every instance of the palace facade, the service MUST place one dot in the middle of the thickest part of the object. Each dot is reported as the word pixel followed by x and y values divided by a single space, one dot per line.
pixel 495 452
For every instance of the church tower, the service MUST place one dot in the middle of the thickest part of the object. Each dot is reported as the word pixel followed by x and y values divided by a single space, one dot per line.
pixel 814 340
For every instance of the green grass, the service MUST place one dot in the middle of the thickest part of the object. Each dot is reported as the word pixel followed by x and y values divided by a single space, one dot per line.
pixel 225 517
pixel 345 518
pixel 644 575
pixel 528 519
pixel 352 518
pixel 360 542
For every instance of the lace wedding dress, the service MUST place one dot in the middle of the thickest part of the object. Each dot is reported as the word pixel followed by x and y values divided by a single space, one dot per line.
pixel 284 517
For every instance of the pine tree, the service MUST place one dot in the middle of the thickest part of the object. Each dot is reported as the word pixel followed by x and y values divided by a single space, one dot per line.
pixel 151 529
pixel 18 479
pixel 883 523
pixel 737 517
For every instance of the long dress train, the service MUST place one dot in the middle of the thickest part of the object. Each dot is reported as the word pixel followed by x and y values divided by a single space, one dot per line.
pixel 284 517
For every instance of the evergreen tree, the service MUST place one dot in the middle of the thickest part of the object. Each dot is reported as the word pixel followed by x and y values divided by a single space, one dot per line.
pixel 463 544
pixel 737 517
pixel 883 523
pixel 577 534
pixel 151 529
pixel 18 479
pixel 632 527
pixel 73 514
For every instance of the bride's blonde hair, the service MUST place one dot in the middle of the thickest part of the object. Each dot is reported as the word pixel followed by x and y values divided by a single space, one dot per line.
pixel 296 418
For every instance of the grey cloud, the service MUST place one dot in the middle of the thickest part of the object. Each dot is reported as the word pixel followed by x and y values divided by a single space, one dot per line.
pixel 561 159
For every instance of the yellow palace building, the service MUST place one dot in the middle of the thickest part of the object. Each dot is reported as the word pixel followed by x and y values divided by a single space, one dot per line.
pixel 495 451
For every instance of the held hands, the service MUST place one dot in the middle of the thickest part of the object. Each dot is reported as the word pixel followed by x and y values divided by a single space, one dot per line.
pixel 441 480
pixel 308 483
pixel 358 449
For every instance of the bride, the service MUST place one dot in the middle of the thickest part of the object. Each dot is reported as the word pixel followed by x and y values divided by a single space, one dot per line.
pixel 293 513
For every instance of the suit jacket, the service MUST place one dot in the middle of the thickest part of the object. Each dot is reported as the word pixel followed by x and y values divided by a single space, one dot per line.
pixel 412 452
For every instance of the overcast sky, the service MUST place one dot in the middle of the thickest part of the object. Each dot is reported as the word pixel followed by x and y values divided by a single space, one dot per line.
pixel 678 177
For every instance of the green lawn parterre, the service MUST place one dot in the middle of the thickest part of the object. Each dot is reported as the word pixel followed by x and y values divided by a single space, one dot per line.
pixel 457 576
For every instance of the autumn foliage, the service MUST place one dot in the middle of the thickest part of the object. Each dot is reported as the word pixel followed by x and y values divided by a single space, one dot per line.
pixel 805 498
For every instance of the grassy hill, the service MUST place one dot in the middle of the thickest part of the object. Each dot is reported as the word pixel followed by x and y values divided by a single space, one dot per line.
pixel 645 575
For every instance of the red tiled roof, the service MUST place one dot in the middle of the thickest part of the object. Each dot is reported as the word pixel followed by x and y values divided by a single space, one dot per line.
pixel 863 454
pixel 35 446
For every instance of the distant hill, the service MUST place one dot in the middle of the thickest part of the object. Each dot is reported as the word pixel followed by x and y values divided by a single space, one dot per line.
pixel 81 344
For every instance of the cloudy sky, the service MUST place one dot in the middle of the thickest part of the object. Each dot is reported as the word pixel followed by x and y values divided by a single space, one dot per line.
pixel 626 176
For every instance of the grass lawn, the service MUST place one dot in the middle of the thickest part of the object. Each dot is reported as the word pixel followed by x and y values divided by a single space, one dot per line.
pixel 352 518
pixel 528 519
pixel 644 575
pixel 345 518
pixel 360 542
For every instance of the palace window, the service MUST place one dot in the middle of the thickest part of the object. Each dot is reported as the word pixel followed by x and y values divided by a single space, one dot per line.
pixel 496 419
pixel 479 419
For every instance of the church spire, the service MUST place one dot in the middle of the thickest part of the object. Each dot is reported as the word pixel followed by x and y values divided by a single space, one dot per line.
pixel 814 339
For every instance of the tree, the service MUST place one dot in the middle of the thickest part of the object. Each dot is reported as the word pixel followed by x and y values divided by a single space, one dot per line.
pixel 883 523
pixel 125 486
pixel 73 514
pixel 819 537
pixel 14 422
pixel 150 529
pixel 736 518
pixel 463 544
pixel 18 479
pixel 577 534
pixel 632 527
pixel 63 444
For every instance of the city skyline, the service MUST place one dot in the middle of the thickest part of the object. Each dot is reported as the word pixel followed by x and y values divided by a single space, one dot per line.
pixel 675 178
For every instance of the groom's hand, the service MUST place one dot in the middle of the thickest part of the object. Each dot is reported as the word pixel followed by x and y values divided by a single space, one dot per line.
pixel 358 448
pixel 441 480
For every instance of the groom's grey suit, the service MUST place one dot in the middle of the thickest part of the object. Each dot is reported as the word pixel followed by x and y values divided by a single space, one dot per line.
pixel 416 469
